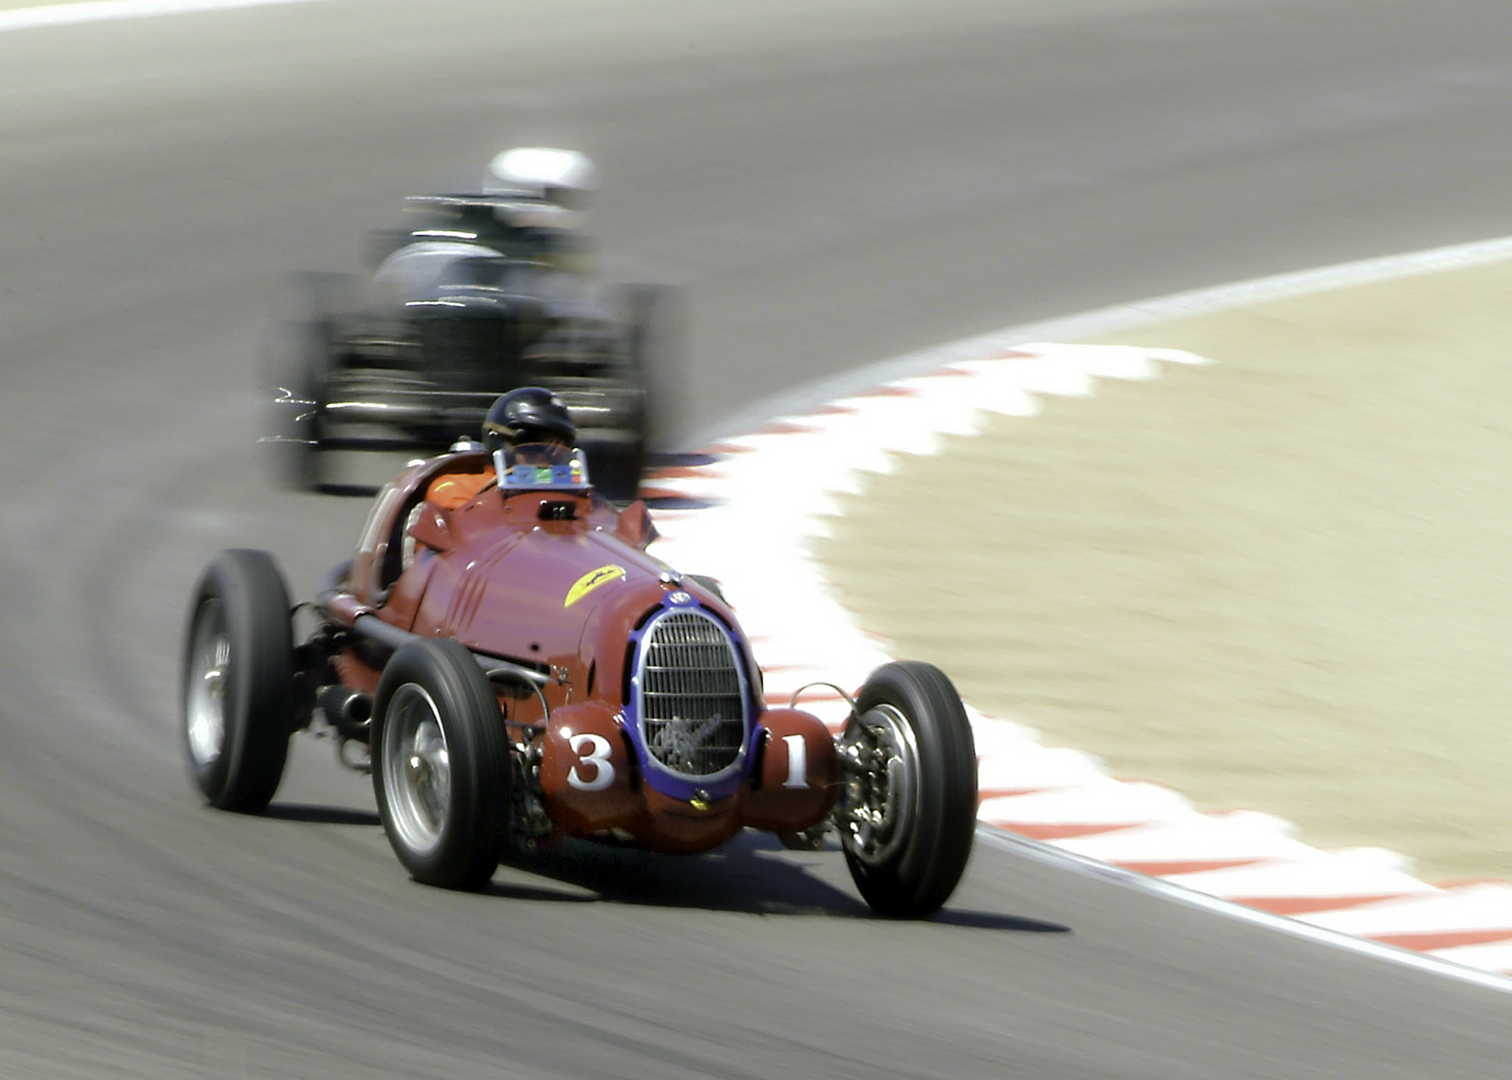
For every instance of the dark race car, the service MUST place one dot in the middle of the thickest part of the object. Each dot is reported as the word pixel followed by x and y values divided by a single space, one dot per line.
pixel 477 295
pixel 519 669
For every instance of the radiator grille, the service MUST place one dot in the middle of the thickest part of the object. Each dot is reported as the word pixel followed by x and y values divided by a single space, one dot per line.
pixel 692 703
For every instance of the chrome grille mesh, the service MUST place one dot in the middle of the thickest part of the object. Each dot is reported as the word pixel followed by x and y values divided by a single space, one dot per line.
pixel 692 702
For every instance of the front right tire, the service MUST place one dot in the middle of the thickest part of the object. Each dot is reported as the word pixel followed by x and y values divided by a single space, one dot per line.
pixel 907 816
pixel 653 325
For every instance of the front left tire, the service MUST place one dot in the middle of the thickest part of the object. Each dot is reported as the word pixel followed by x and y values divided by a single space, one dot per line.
pixel 441 767
pixel 300 364
pixel 299 358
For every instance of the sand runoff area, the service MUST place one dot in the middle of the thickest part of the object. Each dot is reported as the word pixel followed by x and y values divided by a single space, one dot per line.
pixel 1280 582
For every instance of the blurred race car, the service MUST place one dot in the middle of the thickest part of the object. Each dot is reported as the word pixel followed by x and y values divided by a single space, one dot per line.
pixel 519 669
pixel 475 295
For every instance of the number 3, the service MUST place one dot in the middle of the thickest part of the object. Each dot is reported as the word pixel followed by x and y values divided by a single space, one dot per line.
pixel 597 755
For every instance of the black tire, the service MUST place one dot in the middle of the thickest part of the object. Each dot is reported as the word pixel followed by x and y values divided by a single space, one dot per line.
pixel 712 584
pixel 298 358
pixel 908 815
pixel 653 323
pixel 441 765
pixel 238 681
pixel 299 367
pixel 616 469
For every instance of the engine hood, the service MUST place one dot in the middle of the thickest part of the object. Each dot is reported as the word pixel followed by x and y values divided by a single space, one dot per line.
pixel 530 594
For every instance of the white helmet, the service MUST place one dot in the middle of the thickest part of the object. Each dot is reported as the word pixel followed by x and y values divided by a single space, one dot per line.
pixel 564 178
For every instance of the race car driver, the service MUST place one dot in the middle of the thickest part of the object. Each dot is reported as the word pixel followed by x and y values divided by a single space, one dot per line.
pixel 530 416
pixel 548 192
pixel 529 432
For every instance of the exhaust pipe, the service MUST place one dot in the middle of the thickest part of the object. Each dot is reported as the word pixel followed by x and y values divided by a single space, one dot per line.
pixel 350 712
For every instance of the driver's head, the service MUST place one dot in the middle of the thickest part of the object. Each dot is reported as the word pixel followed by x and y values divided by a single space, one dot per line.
pixel 530 414
pixel 563 178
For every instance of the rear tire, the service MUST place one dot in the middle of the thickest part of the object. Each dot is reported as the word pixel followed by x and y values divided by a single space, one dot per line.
pixel 908 814
pixel 441 765
pixel 238 682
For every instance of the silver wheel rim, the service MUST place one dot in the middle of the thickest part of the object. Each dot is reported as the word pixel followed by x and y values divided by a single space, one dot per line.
pixel 209 669
pixel 881 762
pixel 416 768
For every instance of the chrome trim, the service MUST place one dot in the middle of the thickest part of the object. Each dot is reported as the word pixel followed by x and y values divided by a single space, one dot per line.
pixel 416 769
pixel 209 677
pixel 879 757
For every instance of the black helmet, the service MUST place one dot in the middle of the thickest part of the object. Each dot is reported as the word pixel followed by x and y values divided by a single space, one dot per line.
pixel 529 414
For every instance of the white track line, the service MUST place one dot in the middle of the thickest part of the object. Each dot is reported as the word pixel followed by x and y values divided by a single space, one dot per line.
pixel 1466 972
pixel 771 490
pixel 1112 320
pixel 33 18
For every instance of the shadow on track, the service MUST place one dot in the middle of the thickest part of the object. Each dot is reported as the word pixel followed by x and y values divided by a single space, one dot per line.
pixel 752 874
pixel 321 815
pixel 991 920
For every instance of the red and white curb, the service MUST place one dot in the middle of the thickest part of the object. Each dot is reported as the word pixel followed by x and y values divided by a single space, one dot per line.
pixel 745 510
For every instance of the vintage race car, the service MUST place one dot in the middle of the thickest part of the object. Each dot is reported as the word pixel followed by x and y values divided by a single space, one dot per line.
pixel 519 670
pixel 462 306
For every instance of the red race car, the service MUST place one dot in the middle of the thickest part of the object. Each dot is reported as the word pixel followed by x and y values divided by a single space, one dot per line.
pixel 517 669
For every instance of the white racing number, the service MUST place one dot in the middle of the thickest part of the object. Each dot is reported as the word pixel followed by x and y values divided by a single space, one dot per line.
pixel 797 750
pixel 593 750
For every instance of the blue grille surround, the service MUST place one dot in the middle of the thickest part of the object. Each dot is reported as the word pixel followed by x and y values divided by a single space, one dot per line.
pixel 690 711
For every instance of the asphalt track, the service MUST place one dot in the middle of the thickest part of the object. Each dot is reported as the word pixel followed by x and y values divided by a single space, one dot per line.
pixel 833 183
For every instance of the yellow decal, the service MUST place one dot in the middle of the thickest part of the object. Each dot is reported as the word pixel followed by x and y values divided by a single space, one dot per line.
pixel 592 580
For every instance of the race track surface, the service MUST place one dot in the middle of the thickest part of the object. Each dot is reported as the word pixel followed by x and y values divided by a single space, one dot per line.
pixel 832 183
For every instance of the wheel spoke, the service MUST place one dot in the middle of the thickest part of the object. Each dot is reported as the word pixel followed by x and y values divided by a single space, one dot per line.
pixel 881 764
pixel 416 767
pixel 430 773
